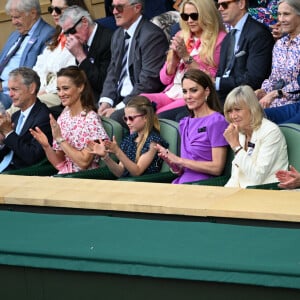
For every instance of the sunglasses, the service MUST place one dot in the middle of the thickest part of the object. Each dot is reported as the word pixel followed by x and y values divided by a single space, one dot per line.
pixel 225 4
pixel 132 118
pixel 72 30
pixel 193 16
pixel 57 9
pixel 120 7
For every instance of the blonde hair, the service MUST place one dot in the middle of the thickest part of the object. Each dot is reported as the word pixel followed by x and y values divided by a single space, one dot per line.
pixel 210 21
pixel 244 96
pixel 144 106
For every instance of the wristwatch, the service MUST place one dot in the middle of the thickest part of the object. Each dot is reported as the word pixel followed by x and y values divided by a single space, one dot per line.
pixel 189 60
pixel 279 93
pixel 60 140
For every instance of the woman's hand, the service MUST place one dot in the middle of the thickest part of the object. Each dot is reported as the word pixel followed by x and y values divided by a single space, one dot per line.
pixel 178 46
pixel 231 134
pixel 96 148
pixel 260 93
pixel 111 146
pixel 288 179
pixel 266 101
pixel 39 135
pixel 170 158
pixel 56 132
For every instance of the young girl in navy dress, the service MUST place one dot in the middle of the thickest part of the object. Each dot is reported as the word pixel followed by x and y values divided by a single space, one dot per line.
pixel 137 153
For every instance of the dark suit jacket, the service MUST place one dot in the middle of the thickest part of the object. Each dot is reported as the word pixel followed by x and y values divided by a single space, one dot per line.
pixel 146 57
pixel 253 60
pixel 98 59
pixel 27 151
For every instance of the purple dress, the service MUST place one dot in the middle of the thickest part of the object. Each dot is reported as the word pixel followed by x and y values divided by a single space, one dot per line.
pixel 198 137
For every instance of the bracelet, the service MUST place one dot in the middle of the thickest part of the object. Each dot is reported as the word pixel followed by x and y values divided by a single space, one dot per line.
pixel 238 150
pixel 104 157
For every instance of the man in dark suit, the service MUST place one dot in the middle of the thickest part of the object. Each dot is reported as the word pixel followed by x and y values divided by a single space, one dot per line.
pixel 252 53
pixel 32 32
pixel 141 64
pixel 89 42
pixel 18 148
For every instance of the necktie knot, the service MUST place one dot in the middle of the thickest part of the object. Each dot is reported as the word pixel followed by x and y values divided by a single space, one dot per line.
pixel 126 35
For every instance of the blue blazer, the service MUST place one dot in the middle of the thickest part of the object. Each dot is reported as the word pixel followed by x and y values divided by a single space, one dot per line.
pixel 35 45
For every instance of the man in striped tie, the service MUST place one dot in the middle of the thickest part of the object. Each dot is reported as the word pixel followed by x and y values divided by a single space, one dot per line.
pixel 136 70
pixel 18 148
pixel 25 43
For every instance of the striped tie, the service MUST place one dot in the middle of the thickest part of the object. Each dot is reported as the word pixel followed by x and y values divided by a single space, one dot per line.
pixel 124 62
pixel 12 52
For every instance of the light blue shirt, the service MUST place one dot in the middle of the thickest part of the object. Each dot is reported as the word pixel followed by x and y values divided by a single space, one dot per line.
pixel 15 60
pixel 239 27
pixel 127 85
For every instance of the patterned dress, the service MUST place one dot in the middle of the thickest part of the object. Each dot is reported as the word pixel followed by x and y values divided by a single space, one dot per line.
pixel 77 131
pixel 285 70
pixel 129 147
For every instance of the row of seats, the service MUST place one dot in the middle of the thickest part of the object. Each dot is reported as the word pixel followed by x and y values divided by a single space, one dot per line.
pixel 169 131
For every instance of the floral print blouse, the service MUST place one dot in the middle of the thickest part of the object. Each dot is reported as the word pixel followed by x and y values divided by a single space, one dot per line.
pixel 285 70
pixel 77 131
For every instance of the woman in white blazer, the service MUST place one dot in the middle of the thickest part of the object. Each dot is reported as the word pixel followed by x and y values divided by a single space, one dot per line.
pixel 259 146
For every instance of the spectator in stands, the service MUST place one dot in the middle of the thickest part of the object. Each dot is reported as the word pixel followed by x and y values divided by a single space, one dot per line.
pixel 18 149
pixel 137 154
pixel 196 46
pixel 259 146
pixel 288 179
pixel 23 45
pixel 76 125
pixel 283 85
pixel 250 61
pixel 203 147
pixel 89 43
pixel 136 70
pixel 246 52
pixel 167 20
pixel 54 57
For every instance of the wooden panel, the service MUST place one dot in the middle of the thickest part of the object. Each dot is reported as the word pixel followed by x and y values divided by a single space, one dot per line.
pixel 190 200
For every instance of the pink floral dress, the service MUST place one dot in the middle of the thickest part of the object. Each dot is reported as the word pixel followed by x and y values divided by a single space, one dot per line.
pixel 77 131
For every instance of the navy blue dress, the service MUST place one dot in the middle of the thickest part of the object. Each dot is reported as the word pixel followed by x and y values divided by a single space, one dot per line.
pixel 129 147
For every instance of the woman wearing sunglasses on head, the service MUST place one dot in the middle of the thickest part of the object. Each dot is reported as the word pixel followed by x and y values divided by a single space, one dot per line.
pixel 197 45
pixel 55 56
pixel 137 154
pixel 77 124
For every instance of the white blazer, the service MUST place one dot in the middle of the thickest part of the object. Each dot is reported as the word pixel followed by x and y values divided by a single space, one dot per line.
pixel 259 163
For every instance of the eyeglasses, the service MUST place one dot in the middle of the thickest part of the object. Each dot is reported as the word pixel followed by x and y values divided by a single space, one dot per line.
pixel 57 9
pixel 132 118
pixel 225 4
pixel 120 7
pixel 72 30
pixel 193 16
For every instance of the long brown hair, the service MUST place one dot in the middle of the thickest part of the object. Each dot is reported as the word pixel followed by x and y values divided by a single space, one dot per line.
pixel 78 77
pixel 205 81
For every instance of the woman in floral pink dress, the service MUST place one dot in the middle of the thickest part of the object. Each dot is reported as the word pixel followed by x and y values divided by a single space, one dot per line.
pixel 77 124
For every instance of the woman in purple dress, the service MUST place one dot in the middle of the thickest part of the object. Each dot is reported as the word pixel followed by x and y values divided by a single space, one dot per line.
pixel 203 147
